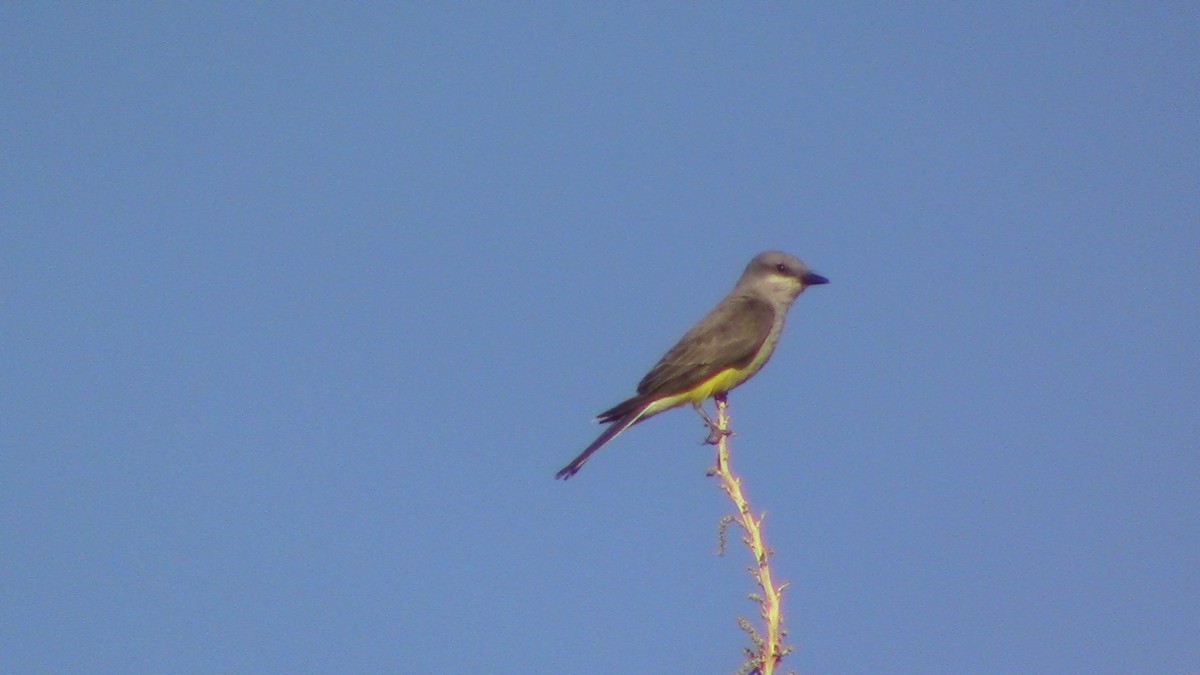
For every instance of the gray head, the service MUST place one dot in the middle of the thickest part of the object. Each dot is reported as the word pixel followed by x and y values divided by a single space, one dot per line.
pixel 778 274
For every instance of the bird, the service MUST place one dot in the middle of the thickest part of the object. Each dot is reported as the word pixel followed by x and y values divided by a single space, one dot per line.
pixel 724 349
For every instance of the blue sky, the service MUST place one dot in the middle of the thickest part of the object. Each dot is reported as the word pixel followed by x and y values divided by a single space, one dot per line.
pixel 305 305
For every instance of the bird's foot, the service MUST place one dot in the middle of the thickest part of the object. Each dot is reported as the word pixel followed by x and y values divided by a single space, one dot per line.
pixel 715 435
pixel 715 432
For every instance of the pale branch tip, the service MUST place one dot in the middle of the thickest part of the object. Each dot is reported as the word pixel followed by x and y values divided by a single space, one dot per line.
pixel 769 649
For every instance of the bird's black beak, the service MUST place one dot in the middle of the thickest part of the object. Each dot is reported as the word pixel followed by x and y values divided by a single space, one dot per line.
pixel 813 279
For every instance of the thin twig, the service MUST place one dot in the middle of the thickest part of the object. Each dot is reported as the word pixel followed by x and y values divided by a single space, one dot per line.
pixel 769 649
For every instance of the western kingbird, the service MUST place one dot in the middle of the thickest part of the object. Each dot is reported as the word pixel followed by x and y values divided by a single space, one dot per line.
pixel 729 345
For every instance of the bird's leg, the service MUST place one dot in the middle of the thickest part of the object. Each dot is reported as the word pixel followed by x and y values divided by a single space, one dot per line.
pixel 715 433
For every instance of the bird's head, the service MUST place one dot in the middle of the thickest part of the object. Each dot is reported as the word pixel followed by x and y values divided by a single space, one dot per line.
pixel 779 274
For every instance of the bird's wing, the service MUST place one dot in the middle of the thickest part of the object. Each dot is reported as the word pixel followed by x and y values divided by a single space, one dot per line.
pixel 728 337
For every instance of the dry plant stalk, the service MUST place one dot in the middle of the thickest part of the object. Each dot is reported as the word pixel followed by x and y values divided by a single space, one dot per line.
pixel 768 650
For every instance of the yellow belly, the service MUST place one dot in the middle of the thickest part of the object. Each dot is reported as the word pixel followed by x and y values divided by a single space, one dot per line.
pixel 723 381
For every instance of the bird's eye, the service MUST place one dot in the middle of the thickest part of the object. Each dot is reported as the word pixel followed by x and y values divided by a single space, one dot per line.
pixel 781 268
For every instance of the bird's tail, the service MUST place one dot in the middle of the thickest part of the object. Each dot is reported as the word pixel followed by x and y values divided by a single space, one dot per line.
pixel 618 425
